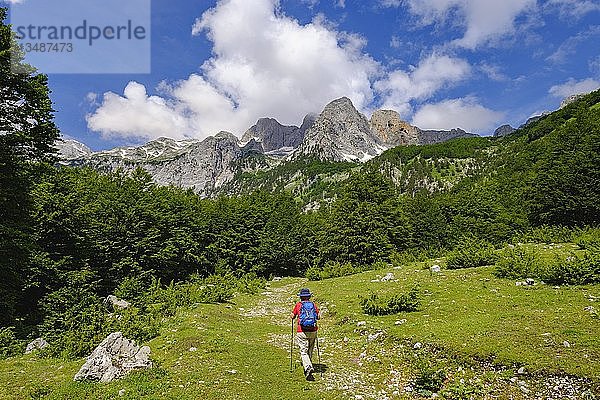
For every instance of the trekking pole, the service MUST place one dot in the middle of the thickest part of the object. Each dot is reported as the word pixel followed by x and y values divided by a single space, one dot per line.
pixel 319 354
pixel 292 348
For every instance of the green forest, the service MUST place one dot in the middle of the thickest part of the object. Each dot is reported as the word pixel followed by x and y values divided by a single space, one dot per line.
pixel 72 236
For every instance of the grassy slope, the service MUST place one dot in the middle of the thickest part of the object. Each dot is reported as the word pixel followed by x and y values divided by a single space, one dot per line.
pixel 242 348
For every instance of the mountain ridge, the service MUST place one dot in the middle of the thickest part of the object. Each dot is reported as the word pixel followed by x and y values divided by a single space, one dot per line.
pixel 339 133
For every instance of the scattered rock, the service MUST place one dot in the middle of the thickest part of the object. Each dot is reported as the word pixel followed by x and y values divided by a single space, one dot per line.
pixel 375 336
pixel 114 358
pixel 388 277
pixel 361 323
pixel 400 321
pixel 276 278
pixel 521 371
pixel 122 392
pixel 590 309
pixel 417 345
pixel 113 303
pixel 36 344
pixel 566 344
pixel 192 349
pixel 530 281
pixel 232 371
pixel 435 269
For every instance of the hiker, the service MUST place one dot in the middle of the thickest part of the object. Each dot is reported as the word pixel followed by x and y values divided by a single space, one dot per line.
pixel 308 313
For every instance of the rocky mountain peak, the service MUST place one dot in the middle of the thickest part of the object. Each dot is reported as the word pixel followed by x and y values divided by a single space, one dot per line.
pixel 341 109
pixel 504 130
pixel 308 122
pixel 224 135
pixel 70 149
pixel 273 136
pixel 340 133
pixel 392 130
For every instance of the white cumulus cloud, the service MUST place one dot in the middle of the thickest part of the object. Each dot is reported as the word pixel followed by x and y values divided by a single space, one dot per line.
pixel 573 86
pixel 137 115
pixel 484 21
pixel 264 64
pixel 465 113
pixel 433 73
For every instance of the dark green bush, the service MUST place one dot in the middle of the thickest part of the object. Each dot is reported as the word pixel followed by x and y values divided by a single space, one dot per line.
pixel 471 252
pixel 574 270
pixel 429 380
pixel 546 234
pixel 164 300
pixel 135 324
pixel 9 344
pixel 375 305
pixel 399 259
pixel 332 269
pixel 250 283
pixel 217 289
pixel 430 373
pixel 75 320
pixel 518 263
pixel 133 288
pixel 589 239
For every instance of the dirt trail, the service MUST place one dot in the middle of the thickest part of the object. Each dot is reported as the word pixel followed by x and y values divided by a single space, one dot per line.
pixel 342 372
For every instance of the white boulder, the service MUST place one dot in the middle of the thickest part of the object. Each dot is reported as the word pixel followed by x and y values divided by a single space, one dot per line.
pixel 36 344
pixel 114 358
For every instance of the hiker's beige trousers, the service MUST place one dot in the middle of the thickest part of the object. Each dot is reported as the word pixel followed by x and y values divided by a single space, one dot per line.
pixel 306 342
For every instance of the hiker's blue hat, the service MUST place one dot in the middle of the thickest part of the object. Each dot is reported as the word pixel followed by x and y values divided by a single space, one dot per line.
pixel 305 293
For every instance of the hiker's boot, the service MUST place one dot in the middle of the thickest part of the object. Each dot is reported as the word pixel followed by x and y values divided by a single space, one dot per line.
pixel 308 373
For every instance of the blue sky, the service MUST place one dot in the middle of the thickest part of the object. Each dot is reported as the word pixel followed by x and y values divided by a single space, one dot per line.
pixel 220 65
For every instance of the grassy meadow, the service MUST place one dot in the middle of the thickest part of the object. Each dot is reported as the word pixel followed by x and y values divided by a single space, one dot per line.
pixel 472 334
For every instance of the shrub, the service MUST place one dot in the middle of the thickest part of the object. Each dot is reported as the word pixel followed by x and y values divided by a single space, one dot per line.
pixel 471 252
pixel 429 380
pixel 217 289
pixel 313 273
pixel 132 289
pixel 164 300
pixel 251 284
pixel 135 324
pixel 574 270
pixel 9 344
pixel 430 374
pixel 332 269
pixel 375 305
pixel 546 234
pixel 74 320
pixel 517 263
pixel 379 265
pixel 335 269
pixel 589 239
